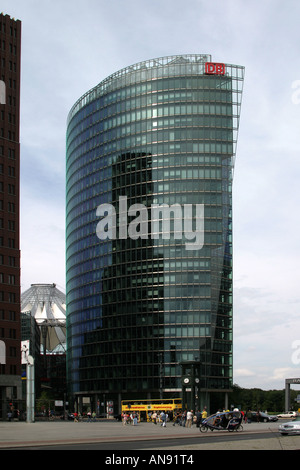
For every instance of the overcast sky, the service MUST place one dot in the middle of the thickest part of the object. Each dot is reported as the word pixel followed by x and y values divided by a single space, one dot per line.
pixel 70 46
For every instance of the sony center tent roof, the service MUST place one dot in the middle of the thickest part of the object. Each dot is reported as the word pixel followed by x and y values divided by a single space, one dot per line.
pixel 47 305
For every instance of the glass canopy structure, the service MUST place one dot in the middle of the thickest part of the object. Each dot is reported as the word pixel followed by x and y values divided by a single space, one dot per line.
pixel 47 305
pixel 161 133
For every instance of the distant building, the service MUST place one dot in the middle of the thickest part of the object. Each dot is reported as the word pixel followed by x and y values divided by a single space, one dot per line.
pixel 10 325
pixel 46 305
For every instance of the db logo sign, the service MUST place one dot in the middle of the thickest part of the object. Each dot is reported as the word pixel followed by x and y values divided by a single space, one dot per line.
pixel 213 68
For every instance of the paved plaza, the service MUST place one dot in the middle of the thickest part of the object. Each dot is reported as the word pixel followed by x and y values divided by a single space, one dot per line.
pixel 22 434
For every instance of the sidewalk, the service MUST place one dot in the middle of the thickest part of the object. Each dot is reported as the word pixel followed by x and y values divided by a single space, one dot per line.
pixel 20 434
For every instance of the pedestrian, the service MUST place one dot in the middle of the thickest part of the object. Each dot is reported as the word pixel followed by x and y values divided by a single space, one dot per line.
pixel 183 418
pixel 189 418
pixel 163 418
pixel 198 418
pixel 154 417
pixel 124 419
pixel 94 416
pixel 89 415
pixel 135 419
pixel 177 419
pixel 204 413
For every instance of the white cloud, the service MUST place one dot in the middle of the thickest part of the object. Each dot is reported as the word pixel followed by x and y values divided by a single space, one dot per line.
pixel 244 373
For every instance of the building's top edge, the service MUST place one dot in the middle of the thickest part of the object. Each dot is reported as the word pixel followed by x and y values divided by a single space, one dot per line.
pixel 144 66
pixel 8 17
pixel 43 285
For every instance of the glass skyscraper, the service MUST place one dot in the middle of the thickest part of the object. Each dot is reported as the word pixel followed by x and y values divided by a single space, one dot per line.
pixel 149 292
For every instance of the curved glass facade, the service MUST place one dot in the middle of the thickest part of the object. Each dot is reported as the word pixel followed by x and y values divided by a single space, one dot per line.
pixel 140 303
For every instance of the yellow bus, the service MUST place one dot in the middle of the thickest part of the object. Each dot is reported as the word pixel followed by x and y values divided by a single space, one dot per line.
pixel 145 408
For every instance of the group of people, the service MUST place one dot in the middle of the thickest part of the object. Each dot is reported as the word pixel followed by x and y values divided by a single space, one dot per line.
pixel 130 418
pixel 91 417
pixel 159 418
pixel 184 418
pixel 187 418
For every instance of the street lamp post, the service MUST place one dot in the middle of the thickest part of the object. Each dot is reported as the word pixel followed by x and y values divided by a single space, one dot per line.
pixel 30 390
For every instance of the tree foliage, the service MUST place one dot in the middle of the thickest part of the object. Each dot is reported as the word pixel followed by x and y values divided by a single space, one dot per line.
pixel 264 400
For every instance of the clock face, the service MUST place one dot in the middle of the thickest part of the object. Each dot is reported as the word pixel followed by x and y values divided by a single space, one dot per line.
pixel 186 380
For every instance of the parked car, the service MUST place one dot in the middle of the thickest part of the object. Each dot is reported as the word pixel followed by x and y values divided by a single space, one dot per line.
pixel 263 417
pixel 288 414
pixel 292 427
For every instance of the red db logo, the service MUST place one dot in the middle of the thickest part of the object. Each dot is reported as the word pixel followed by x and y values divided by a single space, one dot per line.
pixel 213 68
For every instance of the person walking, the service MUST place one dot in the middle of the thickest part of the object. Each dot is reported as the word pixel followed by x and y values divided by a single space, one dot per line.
pixel 189 418
pixel 154 417
pixel 124 419
pixel 135 418
pixel 183 419
pixel 163 418
pixel 198 418
pixel 177 419
pixel 248 416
